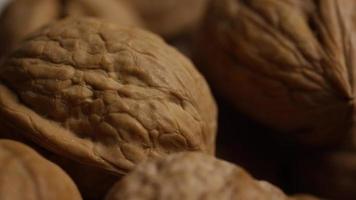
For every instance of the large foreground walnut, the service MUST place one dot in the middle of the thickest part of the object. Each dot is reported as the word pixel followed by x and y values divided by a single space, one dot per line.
pixel 106 96
pixel 26 175
pixel 288 63
pixel 192 176
pixel 170 18
pixel 330 175
pixel 22 17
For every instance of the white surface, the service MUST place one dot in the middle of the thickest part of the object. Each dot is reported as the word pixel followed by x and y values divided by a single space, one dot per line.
pixel 2 4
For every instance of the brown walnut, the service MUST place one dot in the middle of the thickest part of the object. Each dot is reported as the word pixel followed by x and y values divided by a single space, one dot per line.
pixel 170 18
pixel 24 174
pixel 22 17
pixel 192 176
pixel 106 96
pixel 287 63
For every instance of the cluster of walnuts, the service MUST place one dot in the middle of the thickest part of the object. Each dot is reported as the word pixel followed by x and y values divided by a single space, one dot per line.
pixel 98 100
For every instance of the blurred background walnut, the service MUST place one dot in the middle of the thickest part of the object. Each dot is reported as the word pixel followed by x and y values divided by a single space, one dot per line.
pixel 288 64
pixel 24 174
pixel 192 176
pixel 170 18
pixel 22 17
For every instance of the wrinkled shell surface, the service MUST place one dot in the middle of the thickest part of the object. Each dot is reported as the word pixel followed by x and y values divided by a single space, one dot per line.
pixel 24 174
pixel 192 176
pixel 170 17
pixel 106 96
pixel 22 17
pixel 332 175
pixel 289 64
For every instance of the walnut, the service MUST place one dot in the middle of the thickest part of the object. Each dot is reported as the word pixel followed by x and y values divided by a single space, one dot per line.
pixel 170 18
pixel 330 175
pixel 289 64
pixel 93 183
pixel 192 176
pixel 106 96
pixel 22 17
pixel 27 175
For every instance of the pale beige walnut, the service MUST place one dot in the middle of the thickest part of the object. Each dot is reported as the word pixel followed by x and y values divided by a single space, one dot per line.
pixel 22 17
pixel 24 174
pixel 287 63
pixel 107 96
pixel 331 175
pixel 170 18
pixel 192 176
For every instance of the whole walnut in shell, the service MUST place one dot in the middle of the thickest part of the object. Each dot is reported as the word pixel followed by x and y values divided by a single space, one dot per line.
pixel 27 175
pixel 170 18
pixel 192 176
pixel 106 96
pixel 287 63
pixel 22 17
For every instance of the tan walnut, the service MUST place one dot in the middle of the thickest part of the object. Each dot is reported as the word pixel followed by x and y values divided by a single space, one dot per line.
pixel 22 17
pixel 107 96
pixel 192 176
pixel 170 18
pixel 287 63
pixel 24 174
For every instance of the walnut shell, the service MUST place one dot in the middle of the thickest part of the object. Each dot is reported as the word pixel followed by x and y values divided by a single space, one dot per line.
pixel 330 175
pixel 289 64
pixel 93 183
pixel 22 17
pixel 112 10
pixel 106 96
pixel 27 175
pixel 170 18
pixel 192 176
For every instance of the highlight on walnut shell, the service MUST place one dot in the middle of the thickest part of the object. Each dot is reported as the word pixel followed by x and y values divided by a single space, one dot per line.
pixel 288 64
pixel 25 174
pixel 170 18
pixel 106 96
pixel 331 175
pixel 22 17
pixel 192 176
